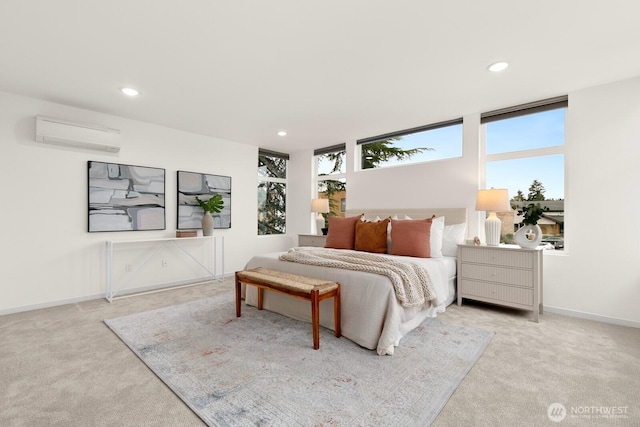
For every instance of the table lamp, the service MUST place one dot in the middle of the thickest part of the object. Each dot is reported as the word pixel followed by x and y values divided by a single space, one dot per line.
pixel 320 206
pixel 492 201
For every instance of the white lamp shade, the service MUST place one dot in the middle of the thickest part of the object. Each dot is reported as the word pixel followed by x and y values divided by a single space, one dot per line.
pixel 320 205
pixel 493 200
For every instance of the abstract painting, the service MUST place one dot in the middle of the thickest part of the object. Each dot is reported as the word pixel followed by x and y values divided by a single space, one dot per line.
pixel 203 186
pixel 125 197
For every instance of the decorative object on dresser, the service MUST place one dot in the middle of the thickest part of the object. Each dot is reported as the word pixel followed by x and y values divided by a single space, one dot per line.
pixel 312 240
pixel 320 206
pixel 505 275
pixel 214 205
pixel 530 234
pixel 186 233
pixel 493 200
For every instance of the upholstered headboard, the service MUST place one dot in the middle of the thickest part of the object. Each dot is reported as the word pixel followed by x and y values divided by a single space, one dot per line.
pixel 451 215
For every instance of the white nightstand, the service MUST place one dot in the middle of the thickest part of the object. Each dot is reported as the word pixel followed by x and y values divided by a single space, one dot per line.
pixel 506 275
pixel 311 240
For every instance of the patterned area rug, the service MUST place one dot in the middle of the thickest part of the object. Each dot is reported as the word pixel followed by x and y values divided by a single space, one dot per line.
pixel 261 369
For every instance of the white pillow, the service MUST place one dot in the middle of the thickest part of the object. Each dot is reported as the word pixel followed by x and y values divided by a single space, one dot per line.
pixel 435 239
pixel 437 233
pixel 451 237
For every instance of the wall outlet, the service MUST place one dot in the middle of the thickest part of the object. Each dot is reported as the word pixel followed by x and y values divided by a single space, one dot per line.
pixel 127 268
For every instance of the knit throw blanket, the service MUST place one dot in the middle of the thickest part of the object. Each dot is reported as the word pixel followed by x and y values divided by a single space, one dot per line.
pixel 410 281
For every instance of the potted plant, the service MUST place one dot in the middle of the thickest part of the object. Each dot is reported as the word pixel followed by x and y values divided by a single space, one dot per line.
pixel 532 213
pixel 530 234
pixel 214 205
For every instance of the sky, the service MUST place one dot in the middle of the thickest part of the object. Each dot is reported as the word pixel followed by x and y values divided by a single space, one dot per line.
pixel 527 132
pixel 532 131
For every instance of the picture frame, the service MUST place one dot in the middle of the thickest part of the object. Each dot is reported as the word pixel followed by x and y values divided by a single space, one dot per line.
pixel 125 197
pixel 203 186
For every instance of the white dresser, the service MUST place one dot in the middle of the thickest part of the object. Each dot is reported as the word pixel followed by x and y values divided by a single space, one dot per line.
pixel 311 240
pixel 506 275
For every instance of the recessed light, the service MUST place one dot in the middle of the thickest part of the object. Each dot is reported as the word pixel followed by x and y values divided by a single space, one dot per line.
pixel 498 66
pixel 282 133
pixel 129 91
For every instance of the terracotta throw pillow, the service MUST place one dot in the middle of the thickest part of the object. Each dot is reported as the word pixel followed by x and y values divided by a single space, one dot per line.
pixel 342 232
pixel 372 236
pixel 410 237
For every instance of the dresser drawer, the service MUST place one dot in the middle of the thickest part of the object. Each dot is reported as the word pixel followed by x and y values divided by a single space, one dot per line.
pixel 496 293
pixel 488 273
pixel 312 240
pixel 510 258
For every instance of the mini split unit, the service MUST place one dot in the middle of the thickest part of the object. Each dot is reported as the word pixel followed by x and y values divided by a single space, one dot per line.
pixel 91 137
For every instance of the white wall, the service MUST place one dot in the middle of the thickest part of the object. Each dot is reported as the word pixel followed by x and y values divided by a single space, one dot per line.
pixel 597 276
pixel 48 257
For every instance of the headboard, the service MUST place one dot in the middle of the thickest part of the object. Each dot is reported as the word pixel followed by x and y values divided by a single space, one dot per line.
pixel 451 215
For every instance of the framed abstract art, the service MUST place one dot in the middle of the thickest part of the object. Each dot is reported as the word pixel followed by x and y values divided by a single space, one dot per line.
pixel 203 186
pixel 125 197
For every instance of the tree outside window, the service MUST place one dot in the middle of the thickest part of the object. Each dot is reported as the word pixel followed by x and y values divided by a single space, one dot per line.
pixel 272 192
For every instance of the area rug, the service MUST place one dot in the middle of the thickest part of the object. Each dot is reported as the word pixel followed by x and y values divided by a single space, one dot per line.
pixel 261 369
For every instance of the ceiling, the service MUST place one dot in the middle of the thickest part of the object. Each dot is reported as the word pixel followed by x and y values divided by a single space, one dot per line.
pixel 325 71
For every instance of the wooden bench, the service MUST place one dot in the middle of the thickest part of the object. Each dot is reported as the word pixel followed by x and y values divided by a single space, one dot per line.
pixel 313 290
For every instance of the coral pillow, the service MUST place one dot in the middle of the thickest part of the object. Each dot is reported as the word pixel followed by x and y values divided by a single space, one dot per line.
pixel 342 232
pixel 372 236
pixel 410 237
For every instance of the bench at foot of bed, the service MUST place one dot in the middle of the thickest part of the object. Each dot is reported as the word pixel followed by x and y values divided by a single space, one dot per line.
pixel 307 288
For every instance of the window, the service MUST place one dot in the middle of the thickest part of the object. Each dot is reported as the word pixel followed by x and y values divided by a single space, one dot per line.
pixel 331 177
pixel 423 144
pixel 272 192
pixel 524 152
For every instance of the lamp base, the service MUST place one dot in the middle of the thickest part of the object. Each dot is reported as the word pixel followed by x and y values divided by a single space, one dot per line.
pixel 492 227
pixel 319 224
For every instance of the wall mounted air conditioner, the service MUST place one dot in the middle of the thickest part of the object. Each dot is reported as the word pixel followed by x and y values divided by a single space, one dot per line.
pixel 69 134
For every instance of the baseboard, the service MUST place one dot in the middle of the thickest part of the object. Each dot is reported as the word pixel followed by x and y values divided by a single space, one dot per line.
pixel 49 304
pixel 56 303
pixel 591 316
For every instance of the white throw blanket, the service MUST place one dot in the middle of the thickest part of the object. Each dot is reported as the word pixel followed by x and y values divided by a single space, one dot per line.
pixel 410 281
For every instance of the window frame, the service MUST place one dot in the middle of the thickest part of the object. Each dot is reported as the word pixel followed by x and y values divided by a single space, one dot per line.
pixel 561 102
pixel 434 126
pixel 268 179
pixel 331 176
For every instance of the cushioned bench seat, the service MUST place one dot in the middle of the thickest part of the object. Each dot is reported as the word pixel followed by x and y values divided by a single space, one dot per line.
pixel 307 288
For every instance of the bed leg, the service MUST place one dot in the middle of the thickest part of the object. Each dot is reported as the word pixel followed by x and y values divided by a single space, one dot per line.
pixel 260 297
pixel 336 313
pixel 238 296
pixel 315 318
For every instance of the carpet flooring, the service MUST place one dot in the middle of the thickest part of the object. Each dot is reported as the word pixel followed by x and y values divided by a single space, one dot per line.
pixel 62 366
pixel 261 369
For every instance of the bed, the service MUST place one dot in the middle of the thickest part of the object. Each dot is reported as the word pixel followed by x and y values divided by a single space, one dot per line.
pixel 372 315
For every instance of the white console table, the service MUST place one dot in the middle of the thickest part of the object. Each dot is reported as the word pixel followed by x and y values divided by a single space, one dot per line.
pixel 155 246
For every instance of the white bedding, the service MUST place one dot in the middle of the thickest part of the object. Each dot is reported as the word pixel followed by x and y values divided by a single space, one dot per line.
pixel 372 316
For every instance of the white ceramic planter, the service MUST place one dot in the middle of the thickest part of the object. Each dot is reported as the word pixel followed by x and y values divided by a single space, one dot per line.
pixel 529 236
